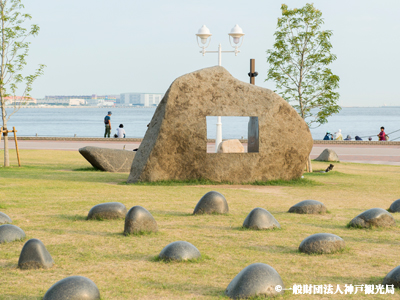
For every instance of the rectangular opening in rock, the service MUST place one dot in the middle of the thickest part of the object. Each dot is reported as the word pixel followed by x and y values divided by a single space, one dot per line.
pixel 239 134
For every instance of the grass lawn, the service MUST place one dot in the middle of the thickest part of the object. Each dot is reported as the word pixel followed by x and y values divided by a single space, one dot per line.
pixel 50 196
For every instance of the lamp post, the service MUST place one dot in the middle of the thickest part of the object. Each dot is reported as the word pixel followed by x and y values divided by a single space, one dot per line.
pixel 204 35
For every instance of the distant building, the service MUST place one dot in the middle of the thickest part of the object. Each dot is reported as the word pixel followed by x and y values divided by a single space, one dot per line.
pixel 140 99
pixel 91 100
pixel 17 100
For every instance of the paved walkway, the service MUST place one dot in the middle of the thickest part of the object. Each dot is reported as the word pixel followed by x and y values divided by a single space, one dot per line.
pixel 373 154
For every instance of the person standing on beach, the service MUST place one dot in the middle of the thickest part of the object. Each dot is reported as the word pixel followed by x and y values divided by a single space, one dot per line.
pixel 107 122
pixel 382 134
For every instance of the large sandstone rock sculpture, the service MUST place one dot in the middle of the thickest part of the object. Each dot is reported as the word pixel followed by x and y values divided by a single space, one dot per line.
pixel 374 217
pixel 328 155
pixel 179 250
pixel 255 280
pixel 308 207
pixel 73 288
pixel 34 255
pixel 175 144
pixel 111 160
pixel 139 220
pixel 10 233
pixel 109 210
pixel 230 146
pixel 321 243
pixel 4 219
pixel 259 218
pixel 211 203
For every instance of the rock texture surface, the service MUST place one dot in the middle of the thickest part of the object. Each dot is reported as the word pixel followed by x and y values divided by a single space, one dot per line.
pixel 212 202
pixel 393 277
pixel 109 210
pixel 4 219
pixel 395 207
pixel 111 160
pixel 308 207
pixel 230 146
pixel 179 250
pixel 138 220
pixel 374 217
pixel 10 233
pixel 73 288
pixel 255 280
pixel 328 155
pixel 34 255
pixel 260 218
pixel 175 144
pixel 322 243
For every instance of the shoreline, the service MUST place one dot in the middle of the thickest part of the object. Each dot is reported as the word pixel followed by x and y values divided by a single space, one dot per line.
pixel 113 140
pixel 138 106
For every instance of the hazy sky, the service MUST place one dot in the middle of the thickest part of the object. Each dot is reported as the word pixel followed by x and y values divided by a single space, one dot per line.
pixel 113 47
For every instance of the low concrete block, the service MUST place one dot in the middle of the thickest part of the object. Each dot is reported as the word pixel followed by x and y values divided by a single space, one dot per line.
pixel 109 210
pixel 73 288
pixel 110 160
pixel 255 280
pixel 179 250
pixel 138 220
pixel 212 202
pixel 10 233
pixel 322 243
pixel 34 255
pixel 308 207
pixel 374 217
pixel 4 219
pixel 260 218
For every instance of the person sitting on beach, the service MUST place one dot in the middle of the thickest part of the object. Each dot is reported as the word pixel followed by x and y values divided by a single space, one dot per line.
pixel 338 135
pixel 328 136
pixel 382 134
pixel 358 138
pixel 348 138
pixel 121 131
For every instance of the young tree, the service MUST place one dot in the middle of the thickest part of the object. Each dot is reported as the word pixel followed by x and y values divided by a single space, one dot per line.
pixel 299 65
pixel 13 52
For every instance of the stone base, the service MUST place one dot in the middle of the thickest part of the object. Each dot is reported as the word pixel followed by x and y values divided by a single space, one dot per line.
pixel 110 160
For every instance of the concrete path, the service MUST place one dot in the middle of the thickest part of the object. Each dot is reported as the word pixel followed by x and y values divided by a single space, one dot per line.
pixel 372 154
pixel 368 154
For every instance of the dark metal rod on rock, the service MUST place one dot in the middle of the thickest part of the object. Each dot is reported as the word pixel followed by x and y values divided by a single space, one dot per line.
pixel 252 70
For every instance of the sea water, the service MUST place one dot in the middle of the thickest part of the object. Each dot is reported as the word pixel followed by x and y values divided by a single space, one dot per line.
pixel 88 122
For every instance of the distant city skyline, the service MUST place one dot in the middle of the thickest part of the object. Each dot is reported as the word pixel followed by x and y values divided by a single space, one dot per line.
pixel 121 46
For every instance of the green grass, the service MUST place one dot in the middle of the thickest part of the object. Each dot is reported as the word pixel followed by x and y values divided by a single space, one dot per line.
pixel 50 196
pixel 279 182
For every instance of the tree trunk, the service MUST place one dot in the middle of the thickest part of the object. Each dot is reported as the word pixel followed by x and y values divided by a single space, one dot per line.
pixel 309 164
pixel 4 119
pixel 6 152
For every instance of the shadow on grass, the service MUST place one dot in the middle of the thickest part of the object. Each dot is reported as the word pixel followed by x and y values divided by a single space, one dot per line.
pixel 330 226
pixel 279 182
pixel 190 287
pixel 72 217
pixel 171 213
pixel 241 228
pixel 87 169
pixel 20 297
pixel 274 249
pixel 342 280
pixel 202 258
